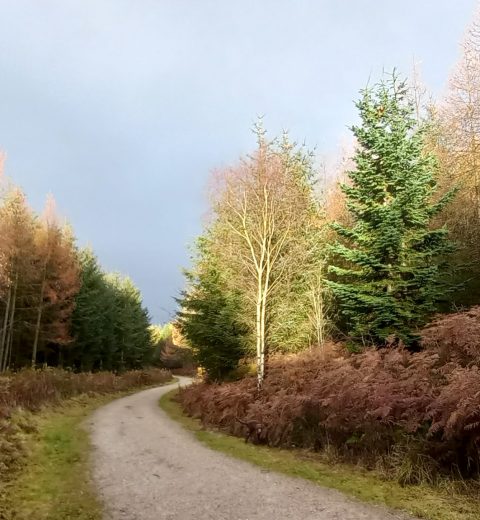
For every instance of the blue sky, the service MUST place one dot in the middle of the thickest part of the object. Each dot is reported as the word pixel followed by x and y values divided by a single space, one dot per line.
pixel 121 108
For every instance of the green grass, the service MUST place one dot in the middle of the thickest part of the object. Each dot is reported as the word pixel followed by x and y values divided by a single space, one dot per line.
pixel 368 486
pixel 55 482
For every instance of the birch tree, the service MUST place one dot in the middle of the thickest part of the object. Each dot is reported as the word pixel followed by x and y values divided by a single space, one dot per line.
pixel 263 210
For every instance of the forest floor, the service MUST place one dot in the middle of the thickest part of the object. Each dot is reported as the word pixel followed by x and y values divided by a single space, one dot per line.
pixel 148 467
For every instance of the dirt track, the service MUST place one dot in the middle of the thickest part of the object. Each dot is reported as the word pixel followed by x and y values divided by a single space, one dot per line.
pixel 147 467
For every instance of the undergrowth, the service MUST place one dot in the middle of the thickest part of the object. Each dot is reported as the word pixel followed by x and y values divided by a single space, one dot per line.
pixel 423 501
pixel 413 416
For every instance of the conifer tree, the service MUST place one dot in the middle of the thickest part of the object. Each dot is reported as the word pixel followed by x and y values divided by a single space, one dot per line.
pixel 388 267
pixel 57 283
pixel 210 316
pixel 109 324
pixel 17 228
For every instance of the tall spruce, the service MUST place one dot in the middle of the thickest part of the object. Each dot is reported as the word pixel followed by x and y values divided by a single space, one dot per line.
pixel 388 262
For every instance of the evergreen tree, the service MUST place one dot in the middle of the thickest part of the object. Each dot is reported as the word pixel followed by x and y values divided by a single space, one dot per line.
pixel 131 322
pixel 111 328
pixel 210 317
pixel 388 269
pixel 18 226
pixel 91 322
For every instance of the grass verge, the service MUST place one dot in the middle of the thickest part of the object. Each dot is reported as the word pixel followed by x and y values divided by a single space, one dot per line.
pixel 55 484
pixel 421 501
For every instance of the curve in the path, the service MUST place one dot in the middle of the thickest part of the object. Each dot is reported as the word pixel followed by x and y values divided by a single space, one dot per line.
pixel 147 467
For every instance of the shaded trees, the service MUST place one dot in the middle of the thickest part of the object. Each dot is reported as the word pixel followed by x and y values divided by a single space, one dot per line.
pixel 110 326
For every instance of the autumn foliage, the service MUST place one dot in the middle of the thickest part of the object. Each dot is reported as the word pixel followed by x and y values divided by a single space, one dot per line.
pixel 417 415
pixel 57 305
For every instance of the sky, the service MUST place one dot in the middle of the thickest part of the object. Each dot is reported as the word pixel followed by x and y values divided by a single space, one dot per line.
pixel 122 108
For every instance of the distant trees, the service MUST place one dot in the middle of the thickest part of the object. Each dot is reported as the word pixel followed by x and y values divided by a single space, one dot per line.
pixel 388 272
pixel 56 304
pixel 58 283
pixel 18 276
pixel 109 324
pixel 39 280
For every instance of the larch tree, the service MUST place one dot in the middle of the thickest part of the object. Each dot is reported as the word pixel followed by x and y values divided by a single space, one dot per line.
pixel 18 226
pixel 387 272
pixel 457 145
pixel 58 283
pixel 52 296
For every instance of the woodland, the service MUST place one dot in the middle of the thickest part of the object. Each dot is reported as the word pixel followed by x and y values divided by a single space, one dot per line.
pixel 58 307
pixel 342 311
pixel 338 307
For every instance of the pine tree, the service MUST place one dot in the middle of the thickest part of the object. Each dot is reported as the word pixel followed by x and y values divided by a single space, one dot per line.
pixel 388 268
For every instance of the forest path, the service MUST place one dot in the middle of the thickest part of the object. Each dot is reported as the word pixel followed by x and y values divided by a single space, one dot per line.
pixel 147 467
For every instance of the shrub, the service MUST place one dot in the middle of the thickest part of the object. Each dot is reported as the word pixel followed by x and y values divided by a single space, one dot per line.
pixel 415 414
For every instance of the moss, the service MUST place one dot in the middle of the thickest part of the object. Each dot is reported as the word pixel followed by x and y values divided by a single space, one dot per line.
pixel 368 486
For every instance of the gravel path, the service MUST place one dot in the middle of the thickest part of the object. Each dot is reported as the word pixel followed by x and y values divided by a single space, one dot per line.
pixel 147 467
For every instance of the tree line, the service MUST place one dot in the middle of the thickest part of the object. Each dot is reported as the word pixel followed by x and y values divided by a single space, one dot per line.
pixel 57 306
pixel 285 262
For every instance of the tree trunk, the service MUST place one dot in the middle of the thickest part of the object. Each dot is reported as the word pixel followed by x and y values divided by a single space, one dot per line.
pixel 263 321
pixel 258 330
pixel 262 344
pixel 8 352
pixel 3 351
pixel 38 323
